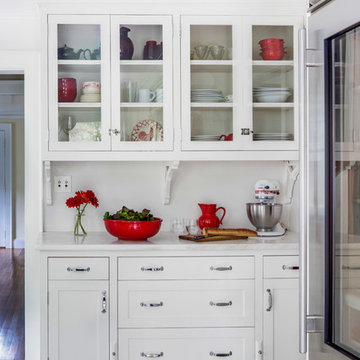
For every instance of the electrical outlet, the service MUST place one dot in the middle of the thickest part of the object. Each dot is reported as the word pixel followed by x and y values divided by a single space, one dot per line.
pixel 62 184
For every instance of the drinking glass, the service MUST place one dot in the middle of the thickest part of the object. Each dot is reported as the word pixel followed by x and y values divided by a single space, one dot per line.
pixel 201 51
pixel 217 52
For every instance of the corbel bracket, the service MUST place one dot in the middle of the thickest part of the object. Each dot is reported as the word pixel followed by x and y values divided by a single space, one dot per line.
pixel 48 190
pixel 170 169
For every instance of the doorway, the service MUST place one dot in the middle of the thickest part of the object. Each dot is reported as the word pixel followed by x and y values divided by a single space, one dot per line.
pixel 5 186
pixel 12 294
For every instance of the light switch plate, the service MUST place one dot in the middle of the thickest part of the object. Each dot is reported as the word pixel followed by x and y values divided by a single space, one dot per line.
pixel 62 184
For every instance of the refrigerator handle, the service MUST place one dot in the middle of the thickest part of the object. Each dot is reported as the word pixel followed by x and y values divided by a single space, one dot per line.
pixel 303 192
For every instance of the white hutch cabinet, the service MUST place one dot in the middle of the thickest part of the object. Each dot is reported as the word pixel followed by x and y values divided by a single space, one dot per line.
pixel 231 99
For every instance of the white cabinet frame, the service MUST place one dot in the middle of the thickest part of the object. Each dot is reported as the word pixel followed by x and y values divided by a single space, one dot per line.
pixel 235 22
pixel 104 22
pixel 247 64
pixel 167 33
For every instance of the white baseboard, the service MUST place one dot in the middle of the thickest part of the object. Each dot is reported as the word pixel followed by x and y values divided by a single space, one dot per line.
pixel 18 244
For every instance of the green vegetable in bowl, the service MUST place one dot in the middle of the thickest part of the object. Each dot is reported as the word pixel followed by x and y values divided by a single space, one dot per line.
pixel 130 215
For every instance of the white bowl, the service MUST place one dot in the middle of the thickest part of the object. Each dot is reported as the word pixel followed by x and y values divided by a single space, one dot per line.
pixel 273 97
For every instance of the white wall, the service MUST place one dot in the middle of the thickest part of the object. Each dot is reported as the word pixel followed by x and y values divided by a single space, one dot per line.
pixel 140 184
pixel 17 176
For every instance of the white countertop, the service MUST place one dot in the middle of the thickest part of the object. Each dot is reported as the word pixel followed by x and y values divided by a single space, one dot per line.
pixel 102 241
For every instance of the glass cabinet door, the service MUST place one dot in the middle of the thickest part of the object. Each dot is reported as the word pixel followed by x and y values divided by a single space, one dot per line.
pixel 210 82
pixel 142 83
pixel 79 82
pixel 271 98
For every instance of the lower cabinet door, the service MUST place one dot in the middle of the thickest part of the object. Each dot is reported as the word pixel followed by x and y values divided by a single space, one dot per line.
pixel 189 344
pixel 78 320
pixel 281 320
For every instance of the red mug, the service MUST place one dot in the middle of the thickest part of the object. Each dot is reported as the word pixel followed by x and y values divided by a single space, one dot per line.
pixel 67 90
pixel 208 217
pixel 226 137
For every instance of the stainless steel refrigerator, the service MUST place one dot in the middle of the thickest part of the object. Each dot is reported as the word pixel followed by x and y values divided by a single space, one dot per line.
pixel 330 221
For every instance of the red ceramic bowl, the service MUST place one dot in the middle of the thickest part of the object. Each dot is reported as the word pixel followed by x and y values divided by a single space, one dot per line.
pixel 67 89
pixel 272 47
pixel 271 42
pixel 132 230
pixel 272 54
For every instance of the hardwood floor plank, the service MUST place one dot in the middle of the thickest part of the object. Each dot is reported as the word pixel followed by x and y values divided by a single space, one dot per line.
pixel 12 336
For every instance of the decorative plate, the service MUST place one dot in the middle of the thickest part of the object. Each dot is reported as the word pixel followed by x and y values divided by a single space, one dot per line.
pixel 147 130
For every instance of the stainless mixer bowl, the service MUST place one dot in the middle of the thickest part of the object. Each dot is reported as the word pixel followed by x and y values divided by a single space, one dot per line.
pixel 264 216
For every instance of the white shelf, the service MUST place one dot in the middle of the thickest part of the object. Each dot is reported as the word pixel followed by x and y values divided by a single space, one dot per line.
pixel 212 62
pixel 273 63
pixel 79 105
pixel 141 62
pixel 273 105
pixel 79 62
pixel 140 105
pixel 211 105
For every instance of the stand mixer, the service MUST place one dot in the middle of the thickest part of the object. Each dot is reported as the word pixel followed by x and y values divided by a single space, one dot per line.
pixel 265 214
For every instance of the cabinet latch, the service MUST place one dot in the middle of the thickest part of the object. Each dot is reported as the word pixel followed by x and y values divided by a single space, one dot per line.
pixel 246 131
pixel 114 132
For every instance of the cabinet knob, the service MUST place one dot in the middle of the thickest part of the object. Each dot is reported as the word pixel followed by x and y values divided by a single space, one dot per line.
pixel 161 268
pixel 152 304
pixel 270 301
pixel 152 356
pixel 212 303
pixel 221 268
pixel 212 353
pixel 285 267
pixel 78 269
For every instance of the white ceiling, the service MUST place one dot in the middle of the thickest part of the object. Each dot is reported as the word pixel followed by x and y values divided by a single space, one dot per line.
pixel 17 6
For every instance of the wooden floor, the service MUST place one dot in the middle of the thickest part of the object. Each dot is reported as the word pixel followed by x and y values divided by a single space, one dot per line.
pixel 12 304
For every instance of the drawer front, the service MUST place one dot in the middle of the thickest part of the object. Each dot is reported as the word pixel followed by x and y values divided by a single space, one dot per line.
pixel 186 303
pixel 180 344
pixel 78 268
pixel 284 267
pixel 173 268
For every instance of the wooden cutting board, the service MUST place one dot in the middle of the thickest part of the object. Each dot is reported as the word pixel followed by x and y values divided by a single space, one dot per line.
pixel 201 238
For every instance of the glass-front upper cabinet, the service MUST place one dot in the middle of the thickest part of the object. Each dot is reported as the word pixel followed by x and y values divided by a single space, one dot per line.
pixel 141 82
pixel 79 82
pixel 271 99
pixel 210 47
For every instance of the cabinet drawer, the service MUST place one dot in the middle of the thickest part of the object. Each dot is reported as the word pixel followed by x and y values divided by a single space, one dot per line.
pixel 284 267
pixel 180 344
pixel 78 268
pixel 167 268
pixel 186 303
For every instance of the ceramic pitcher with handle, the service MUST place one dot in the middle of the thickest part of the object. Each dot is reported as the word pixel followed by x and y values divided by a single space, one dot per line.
pixel 208 217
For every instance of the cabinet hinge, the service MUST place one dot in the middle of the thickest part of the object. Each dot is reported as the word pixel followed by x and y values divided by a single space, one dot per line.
pixel 180 30
pixel 315 324
pixel 47 296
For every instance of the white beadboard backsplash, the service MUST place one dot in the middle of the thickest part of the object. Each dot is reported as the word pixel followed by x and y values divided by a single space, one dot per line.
pixel 140 185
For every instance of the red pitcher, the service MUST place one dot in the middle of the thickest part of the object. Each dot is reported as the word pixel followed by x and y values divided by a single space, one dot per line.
pixel 208 217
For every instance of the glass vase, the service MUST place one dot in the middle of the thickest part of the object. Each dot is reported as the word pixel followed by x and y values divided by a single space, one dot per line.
pixel 79 228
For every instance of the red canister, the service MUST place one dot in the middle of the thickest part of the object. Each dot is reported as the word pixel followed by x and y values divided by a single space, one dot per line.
pixel 67 90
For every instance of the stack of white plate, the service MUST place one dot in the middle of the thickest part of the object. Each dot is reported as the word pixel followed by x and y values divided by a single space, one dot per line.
pixel 273 136
pixel 205 138
pixel 207 95
pixel 90 98
pixel 271 94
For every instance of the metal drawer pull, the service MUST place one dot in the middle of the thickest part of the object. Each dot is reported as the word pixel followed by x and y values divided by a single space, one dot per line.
pixel 161 268
pixel 270 302
pixel 152 304
pixel 220 354
pixel 152 356
pixel 285 267
pixel 78 269
pixel 221 268
pixel 229 303
pixel 103 306
pixel 346 267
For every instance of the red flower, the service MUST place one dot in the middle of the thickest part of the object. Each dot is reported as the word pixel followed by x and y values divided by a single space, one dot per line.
pixel 82 198
pixel 92 198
